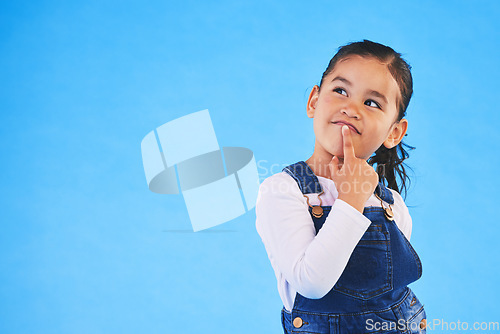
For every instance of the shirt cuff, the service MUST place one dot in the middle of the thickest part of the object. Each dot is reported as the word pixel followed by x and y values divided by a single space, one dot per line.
pixel 357 217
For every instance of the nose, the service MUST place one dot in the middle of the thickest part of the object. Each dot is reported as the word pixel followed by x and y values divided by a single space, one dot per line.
pixel 351 110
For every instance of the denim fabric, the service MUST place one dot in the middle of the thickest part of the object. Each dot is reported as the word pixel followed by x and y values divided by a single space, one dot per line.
pixel 371 295
pixel 403 316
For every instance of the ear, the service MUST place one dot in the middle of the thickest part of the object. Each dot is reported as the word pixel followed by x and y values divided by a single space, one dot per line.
pixel 396 134
pixel 311 102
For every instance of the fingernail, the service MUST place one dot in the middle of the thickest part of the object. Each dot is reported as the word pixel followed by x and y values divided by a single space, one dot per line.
pixel 345 127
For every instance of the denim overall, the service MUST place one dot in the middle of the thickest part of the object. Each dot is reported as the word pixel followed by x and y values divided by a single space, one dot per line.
pixel 371 295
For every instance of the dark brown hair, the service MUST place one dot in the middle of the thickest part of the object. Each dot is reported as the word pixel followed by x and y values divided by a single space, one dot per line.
pixel 389 161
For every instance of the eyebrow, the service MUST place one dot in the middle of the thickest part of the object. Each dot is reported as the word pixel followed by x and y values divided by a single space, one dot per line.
pixel 371 92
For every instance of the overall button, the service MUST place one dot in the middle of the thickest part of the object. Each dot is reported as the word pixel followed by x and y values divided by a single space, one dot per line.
pixel 297 322
pixel 423 323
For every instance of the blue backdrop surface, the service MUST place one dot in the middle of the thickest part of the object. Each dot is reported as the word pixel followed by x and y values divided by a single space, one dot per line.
pixel 85 247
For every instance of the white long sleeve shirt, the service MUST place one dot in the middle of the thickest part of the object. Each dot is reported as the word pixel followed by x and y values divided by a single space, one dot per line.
pixel 304 261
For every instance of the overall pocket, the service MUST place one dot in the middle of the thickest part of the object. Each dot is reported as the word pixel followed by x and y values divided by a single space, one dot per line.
pixel 369 270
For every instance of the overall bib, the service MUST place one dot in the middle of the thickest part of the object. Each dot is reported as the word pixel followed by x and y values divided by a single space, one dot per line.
pixel 371 295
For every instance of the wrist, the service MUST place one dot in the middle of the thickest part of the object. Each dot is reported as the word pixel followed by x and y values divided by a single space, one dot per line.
pixel 353 201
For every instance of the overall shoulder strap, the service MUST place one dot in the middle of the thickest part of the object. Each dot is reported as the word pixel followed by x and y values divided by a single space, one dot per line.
pixel 308 182
pixel 306 179
pixel 384 193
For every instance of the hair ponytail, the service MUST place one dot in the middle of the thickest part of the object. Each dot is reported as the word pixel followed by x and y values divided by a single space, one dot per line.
pixel 390 165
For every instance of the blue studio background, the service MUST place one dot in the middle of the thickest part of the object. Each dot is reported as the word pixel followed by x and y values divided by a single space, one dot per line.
pixel 85 247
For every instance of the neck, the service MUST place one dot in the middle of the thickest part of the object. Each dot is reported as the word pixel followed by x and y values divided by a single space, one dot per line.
pixel 320 165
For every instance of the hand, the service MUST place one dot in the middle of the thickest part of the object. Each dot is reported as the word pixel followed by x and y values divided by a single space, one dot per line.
pixel 355 179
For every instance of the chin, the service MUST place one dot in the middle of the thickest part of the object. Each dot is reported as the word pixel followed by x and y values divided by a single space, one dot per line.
pixel 336 153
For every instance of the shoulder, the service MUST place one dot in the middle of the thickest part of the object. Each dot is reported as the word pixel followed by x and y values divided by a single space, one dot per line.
pixel 279 191
pixel 399 202
pixel 280 182
pixel 402 214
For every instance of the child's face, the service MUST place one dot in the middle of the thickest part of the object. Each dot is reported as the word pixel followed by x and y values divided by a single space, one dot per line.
pixel 362 92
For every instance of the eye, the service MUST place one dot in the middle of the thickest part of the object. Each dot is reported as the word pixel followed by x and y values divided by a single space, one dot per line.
pixel 340 90
pixel 376 105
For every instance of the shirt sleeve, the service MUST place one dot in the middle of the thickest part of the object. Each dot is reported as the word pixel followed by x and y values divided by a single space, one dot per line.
pixel 311 263
pixel 404 220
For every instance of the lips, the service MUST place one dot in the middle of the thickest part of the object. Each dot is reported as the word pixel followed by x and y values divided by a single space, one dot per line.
pixel 352 127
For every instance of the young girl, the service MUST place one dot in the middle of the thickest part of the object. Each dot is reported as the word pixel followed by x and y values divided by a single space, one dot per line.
pixel 336 231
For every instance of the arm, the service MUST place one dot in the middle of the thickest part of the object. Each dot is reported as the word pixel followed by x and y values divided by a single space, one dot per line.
pixel 311 263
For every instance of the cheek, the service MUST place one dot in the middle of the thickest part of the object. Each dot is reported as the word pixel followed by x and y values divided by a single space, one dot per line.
pixel 378 137
pixel 328 100
pixel 316 126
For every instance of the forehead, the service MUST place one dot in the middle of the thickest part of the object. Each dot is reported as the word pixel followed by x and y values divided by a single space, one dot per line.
pixel 367 73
